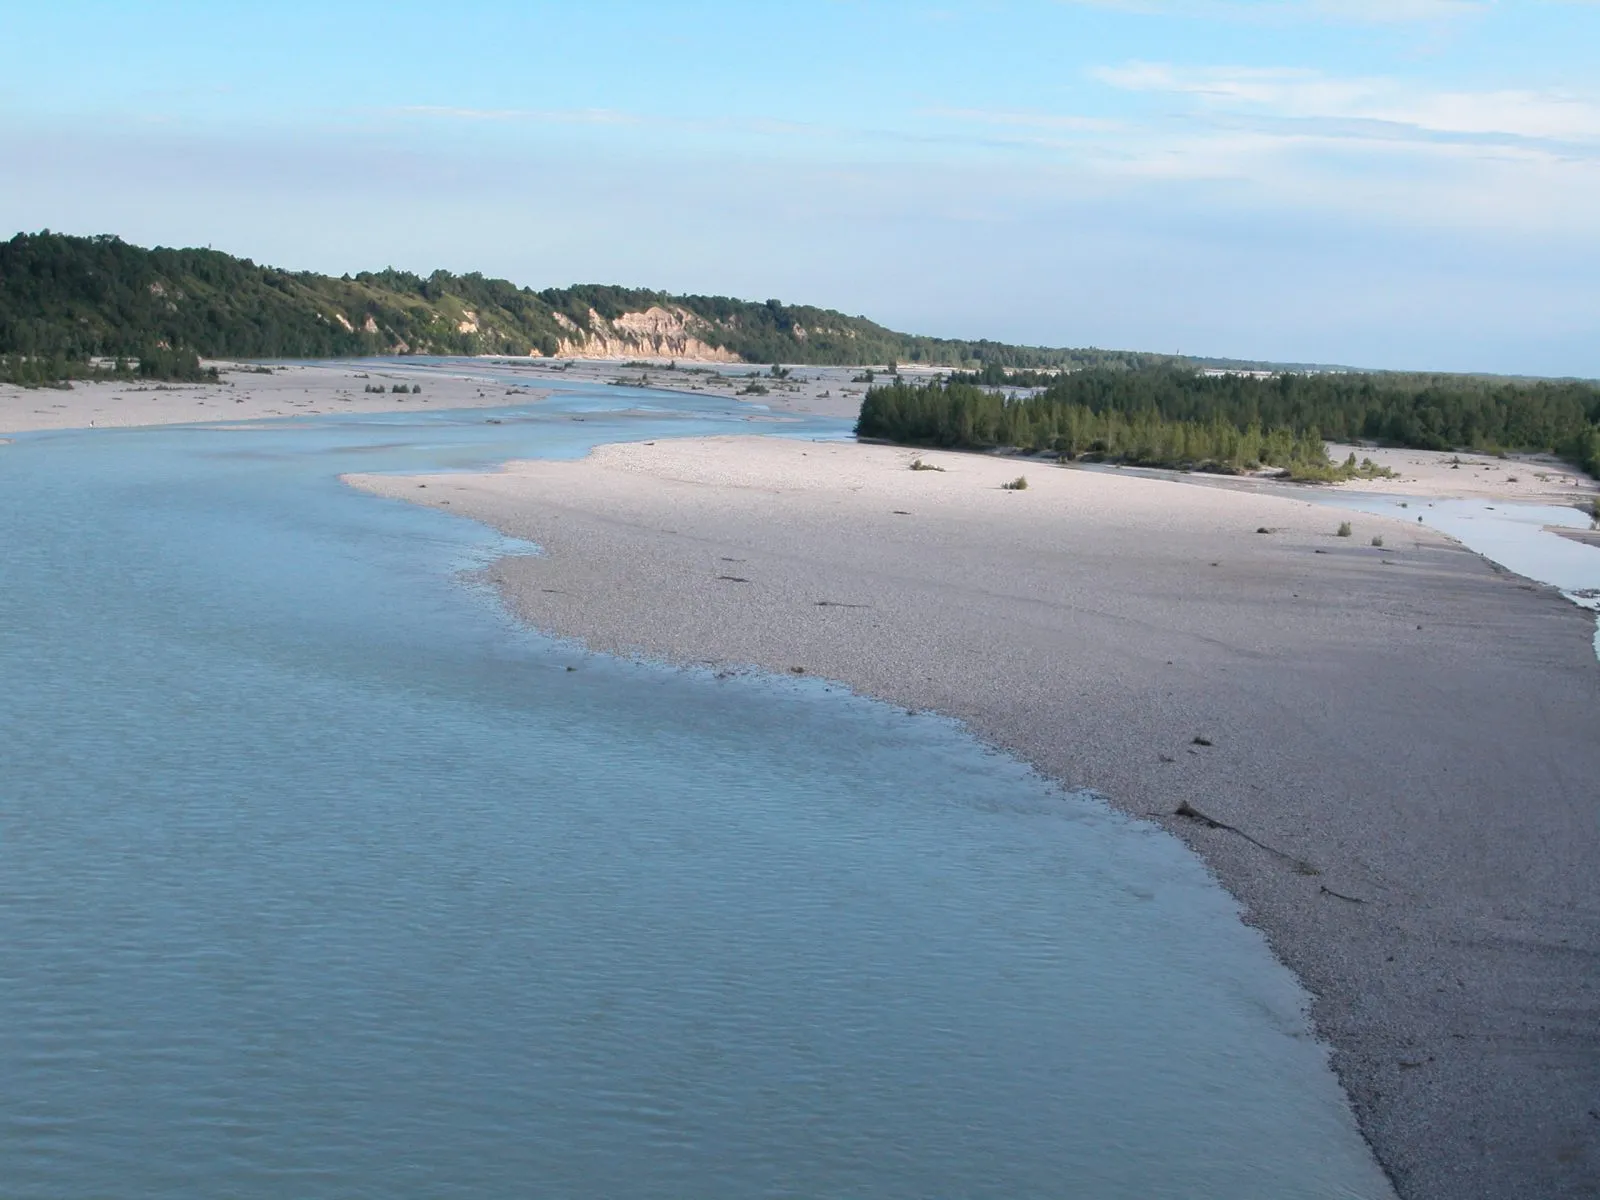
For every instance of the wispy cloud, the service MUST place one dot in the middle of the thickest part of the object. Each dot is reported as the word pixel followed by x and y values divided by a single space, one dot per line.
pixel 1394 11
pixel 1022 119
pixel 1242 137
pixel 1565 120
pixel 1382 12
pixel 930 128
pixel 1507 159
pixel 551 116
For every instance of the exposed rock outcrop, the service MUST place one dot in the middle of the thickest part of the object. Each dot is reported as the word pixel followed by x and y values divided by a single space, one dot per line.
pixel 656 332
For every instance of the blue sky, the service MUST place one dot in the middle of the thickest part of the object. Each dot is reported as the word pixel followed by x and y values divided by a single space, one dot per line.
pixel 1397 183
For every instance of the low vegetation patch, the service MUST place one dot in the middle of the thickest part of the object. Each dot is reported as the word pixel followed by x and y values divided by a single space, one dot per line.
pixel 153 363
pixel 1344 529
pixel 1019 484
pixel 1330 472
pixel 918 465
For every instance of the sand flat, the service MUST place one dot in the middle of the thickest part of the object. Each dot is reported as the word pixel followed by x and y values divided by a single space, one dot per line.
pixel 804 388
pixel 1408 729
pixel 244 394
pixel 1521 478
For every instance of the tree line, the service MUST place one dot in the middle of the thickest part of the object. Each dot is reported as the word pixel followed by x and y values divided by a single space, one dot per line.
pixel 152 363
pixel 1164 416
pixel 65 299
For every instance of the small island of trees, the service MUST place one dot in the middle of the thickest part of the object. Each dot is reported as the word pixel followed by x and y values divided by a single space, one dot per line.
pixel 1171 417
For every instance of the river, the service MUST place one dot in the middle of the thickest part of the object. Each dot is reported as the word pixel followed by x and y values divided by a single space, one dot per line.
pixel 321 876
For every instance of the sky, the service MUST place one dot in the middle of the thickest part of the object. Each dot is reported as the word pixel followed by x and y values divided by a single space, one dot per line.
pixel 1386 183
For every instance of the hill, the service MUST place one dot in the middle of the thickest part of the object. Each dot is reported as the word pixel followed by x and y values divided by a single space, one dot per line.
pixel 66 299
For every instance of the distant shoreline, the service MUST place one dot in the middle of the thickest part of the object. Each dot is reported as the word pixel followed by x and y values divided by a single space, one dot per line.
pixel 322 387
pixel 242 394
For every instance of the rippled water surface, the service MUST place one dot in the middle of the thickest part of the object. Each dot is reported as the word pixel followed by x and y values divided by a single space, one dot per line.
pixel 318 877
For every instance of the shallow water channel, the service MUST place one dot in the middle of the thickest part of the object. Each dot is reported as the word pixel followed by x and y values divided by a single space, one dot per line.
pixel 1517 536
pixel 320 876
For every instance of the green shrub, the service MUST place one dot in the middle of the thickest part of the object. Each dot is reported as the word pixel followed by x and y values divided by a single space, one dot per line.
pixel 1378 541
pixel 1019 484
pixel 1344 529
pixel 918 465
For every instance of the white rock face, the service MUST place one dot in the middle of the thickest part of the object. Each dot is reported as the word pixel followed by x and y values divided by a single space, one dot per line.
pixel 656 332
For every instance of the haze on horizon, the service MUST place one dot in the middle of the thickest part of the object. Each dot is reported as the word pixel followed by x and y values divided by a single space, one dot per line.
pixel 1407 184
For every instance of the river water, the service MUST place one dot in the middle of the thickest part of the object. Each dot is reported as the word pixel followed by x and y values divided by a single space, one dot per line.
pixel 321 877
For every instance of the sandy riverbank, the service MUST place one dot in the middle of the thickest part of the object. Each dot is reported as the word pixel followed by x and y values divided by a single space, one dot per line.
pixel 245 393
pixel 1409 729
pixel 1523 478
pixel 819 391
pixel 248 391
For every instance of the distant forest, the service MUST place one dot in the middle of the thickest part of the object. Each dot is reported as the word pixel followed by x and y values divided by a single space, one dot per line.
pixel 65 300
pixel 1165 416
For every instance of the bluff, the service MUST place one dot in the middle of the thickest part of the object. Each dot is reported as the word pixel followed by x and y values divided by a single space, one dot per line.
pixel 66 299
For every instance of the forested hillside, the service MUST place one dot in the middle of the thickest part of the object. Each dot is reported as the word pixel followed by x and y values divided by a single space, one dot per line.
pixel 1172 417
pixel 64 299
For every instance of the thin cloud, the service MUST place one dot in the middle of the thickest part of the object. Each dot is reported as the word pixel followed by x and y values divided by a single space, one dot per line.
pixel 999 128
pixel 1012 119
pixel 1371 12
pixel 1395 11
pixel 554 116
pixel 1291 94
